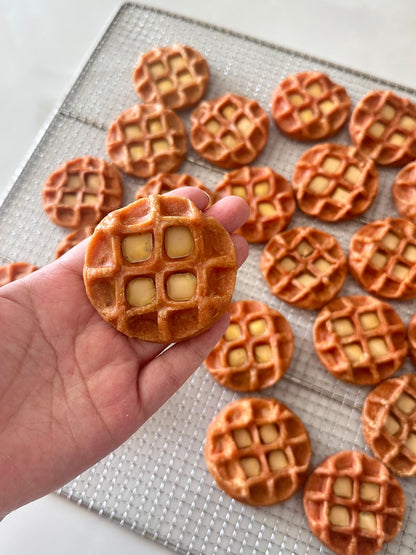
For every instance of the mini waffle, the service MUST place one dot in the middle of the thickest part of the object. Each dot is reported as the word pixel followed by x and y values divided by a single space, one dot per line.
pixel 334 182
pixel 81 192
pixel 383 127
pixel 382 258
pixel 256 349
pixel 304 267
pixel 411 335
pixel 389 423
pixel 165 182
pixel 147 139
pixel 175 76
pixel 229 131
pixel 353 503
pixel 72 239
pixel 160 270
pixel 309 106
pixel 258 451
pixel 360 339
pixel 15 270
pixel 404 192
pixel 269 196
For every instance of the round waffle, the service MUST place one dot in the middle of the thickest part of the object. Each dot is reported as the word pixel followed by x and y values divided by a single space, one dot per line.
pixel 229 131
pixel 81 192
pixel 160 270
pixel 73 239
pixel 15 270
pixel 404 192
pixel 304 267
pixel 334 182
pixel 382 258
pixel 256 349
pixel 411 335
pixel 360 339
pixel 353 503
pixel 269 196
pixel 309 106
pixel 175 76
pixel 383 127
pixel 389 423
pixel 165 182
pixel 258 451
pixel 147 139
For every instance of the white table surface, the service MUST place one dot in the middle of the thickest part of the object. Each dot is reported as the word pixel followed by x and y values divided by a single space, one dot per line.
pixel 43 45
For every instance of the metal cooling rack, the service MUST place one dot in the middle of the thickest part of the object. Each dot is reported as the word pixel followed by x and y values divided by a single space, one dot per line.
pixel 156 484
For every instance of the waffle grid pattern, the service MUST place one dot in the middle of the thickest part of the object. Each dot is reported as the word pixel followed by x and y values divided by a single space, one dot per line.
pixel 383 127
pixel 253 374
pixel 147 139
pixel 404 192
pixel 388 509
pixel 259 187
pixel 94 187
pixel 284 282
pixel 382 402
pixel 157 484
pixel 107 273
pixel 225 458
pixel 218 135
pixel 382 258
pixel 353 177
pixel 176 76
pixel 322 122
pixel 386 326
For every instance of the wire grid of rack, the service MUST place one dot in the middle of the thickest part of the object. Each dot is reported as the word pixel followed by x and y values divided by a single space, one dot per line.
pixel 156 484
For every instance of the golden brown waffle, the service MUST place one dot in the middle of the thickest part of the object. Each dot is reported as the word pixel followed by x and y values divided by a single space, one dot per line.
pixel 383 127
pixel 269 196
pixel 353 503
pixel 382 258
pixel 334 182
pixel 147 139
pixel 73 239
pixel 165 182
pixel 404 192
pixel 175 76
pixel 304 267
pixel 256 349
pixel 229 131
pixel 389 423
pixel 15 270
pixel 360 339
pixel 160 270
pixel 309 106
pixel 258 451
pixel 81 192
pixel 411 335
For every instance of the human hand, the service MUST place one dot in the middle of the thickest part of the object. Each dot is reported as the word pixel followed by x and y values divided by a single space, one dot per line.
pixel 72 388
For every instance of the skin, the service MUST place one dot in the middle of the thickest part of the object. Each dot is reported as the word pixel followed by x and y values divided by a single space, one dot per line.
pixel 72 388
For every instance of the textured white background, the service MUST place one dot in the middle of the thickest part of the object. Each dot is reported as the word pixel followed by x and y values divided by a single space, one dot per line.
pixel 43 45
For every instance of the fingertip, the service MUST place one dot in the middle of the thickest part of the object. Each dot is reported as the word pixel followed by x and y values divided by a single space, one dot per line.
pixel 199 197
pixel 241 248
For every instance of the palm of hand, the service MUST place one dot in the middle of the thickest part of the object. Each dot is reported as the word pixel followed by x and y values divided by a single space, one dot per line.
pixel 72 388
